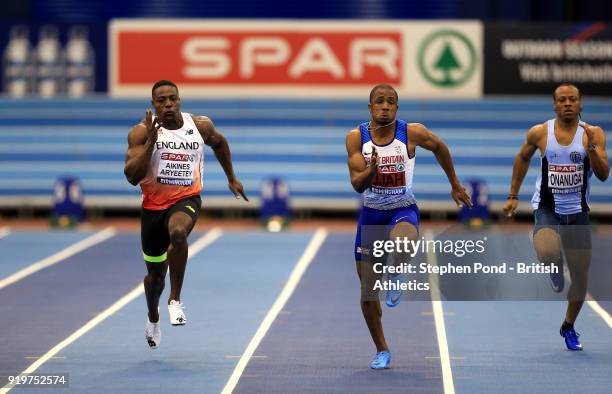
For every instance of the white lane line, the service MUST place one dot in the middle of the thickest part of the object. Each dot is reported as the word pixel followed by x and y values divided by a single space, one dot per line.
pixel 59 256
pixel 4 231
pixel 438 312
pixel 195 248
pixel 599 310
pixel 300 267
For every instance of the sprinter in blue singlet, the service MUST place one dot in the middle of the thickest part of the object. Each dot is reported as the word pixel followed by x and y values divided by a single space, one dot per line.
pixel 381 155
pixel 570 151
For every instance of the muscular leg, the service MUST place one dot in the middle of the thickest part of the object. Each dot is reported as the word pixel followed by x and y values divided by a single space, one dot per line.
pixel 578 262
pixel 154 283
pixel 547 244
pixel 178 227
pixel 370 304
pixel 548 249
pixel 403 230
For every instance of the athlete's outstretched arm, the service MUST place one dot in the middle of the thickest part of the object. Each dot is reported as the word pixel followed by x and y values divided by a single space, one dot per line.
pixel 521 165
pixel 141 141
pixel 424 138
pixel 361 173
pixel 220 146
pixel 597 151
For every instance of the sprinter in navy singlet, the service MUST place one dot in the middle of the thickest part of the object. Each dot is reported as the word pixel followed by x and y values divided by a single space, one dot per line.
pixel 570 152
pixel 381 157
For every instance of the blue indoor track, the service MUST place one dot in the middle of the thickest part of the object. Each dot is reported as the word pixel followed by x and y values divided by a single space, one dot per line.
pixel 318 343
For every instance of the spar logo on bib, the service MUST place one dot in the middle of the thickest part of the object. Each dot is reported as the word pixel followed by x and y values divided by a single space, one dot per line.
pixel 565 178
pixel 177 156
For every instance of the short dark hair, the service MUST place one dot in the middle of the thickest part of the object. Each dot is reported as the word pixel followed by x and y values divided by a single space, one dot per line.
pixel 382 86
pixel 163 82
pixel 566 84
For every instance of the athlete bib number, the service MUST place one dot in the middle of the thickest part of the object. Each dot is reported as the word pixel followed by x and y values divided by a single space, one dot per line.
pixel 565 178
pixel 176 169
pixel 389 183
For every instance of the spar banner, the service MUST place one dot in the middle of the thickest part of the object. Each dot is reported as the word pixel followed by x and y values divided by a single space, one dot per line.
pixel 238 58
pixel 534 58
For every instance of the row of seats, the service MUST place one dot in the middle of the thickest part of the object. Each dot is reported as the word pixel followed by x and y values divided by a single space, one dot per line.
pixel 301 141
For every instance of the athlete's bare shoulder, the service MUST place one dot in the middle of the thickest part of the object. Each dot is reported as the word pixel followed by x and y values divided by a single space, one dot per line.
pixel 418 127
pixel 204 124
pixel 536 133
pixel 353 140
pixel 138 134
pixel 354 133
pixel 202 121
pixel 539 128
pixel 200 118
pixel 139 125
pixel 417 133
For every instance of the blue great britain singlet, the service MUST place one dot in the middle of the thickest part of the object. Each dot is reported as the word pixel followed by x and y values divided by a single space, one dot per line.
pixel 563 182
pixel 392 187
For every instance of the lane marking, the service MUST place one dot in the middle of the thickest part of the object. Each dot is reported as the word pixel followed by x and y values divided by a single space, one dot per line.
pixel 300 267
pixel 594 305
pixel 599 310
pixel 438 312
pixel 207 239
pixel 71 250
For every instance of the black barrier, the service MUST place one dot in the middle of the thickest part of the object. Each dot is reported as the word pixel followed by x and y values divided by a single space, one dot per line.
pixel 534 58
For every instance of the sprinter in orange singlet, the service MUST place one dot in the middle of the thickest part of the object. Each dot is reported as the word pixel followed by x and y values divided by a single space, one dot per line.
pixel 165 157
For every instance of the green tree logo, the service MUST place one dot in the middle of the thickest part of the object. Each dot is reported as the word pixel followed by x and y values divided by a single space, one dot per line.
pixel 447 62
pixel 447 58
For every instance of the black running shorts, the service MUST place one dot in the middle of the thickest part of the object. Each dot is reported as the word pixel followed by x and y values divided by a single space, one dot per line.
pixel 154 233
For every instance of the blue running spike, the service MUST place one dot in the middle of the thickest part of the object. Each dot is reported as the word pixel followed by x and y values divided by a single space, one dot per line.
pixel 571 339
pixel 556 279
pixel 394 296
pixel 381 361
